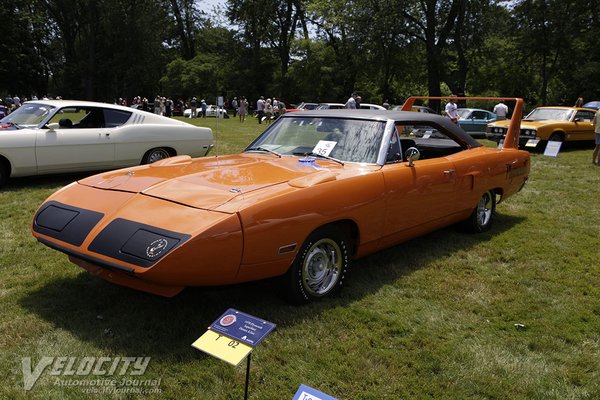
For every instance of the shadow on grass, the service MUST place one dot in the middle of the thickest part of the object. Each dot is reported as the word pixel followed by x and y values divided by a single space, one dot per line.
pixel 44 181
pixel 125 321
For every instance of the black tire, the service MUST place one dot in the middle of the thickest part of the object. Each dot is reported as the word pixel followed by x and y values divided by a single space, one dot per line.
pixel 3 173
pixel 155 155
pixel 556 137
pixel 320 266
pixel 482 216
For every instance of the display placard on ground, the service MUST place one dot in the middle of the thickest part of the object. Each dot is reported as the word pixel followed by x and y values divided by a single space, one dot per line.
pixel 222 347
pixel 233 336
pixel 552 148
pixel 307 393
pixel 532 143
pixel 242 327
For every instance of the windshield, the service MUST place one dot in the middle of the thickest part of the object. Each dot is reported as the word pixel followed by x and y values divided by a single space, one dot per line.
pixel 343 139
pixel 29 114
pixel 558 114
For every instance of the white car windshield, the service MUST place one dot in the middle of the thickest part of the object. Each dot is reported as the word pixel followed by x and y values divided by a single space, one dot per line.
pixel 344 139
pixel 558 114
pixel 29 114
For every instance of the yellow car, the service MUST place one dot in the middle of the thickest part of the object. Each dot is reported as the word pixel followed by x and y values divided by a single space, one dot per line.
pixel 563 124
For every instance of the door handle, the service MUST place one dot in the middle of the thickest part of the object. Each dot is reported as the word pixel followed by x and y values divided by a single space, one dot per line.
pixel 449 172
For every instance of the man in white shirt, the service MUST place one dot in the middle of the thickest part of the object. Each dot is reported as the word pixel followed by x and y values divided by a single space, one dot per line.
pixel 500 110
pixel 351 103
pixel 260 109
pixel 452 111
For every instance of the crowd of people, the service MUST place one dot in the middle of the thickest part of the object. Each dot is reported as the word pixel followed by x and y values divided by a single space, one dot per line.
pixel 11 103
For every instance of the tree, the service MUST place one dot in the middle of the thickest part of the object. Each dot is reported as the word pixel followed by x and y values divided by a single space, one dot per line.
pixel 432 22
pixel 272 23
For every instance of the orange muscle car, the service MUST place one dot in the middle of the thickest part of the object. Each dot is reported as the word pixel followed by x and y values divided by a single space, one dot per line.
pixel 562 124
pixel 314 191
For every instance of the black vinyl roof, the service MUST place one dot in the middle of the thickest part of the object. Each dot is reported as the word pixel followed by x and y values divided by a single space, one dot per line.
pixel 400 117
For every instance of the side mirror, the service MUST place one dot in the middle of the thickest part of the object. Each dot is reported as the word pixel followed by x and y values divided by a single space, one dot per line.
pixel 412 154
pixel 53 126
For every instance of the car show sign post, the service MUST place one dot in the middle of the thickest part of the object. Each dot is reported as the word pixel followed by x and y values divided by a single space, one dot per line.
pixel 232 337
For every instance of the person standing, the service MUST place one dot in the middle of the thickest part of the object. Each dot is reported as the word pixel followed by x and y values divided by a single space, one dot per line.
pixel 351 102
pixel 203 107
pixel 501 110
pixel 194 107
pixel 579 102
pixel 157 105
pixel 169 107
pixel 243 109
pixel 260 109
pixel 596 154
pixel 268 111
pixel 234 105
pixel 452 111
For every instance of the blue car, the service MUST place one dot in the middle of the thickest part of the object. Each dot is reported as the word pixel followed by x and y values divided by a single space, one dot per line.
pixel 592 104
pixel 474 121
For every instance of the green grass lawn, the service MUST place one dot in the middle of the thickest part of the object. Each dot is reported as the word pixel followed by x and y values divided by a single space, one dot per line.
pixel 431 318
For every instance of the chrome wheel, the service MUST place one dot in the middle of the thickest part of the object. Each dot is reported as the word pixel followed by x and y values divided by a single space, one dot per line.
pixel 322 267
pixel 484 210
pixel 483 214
pixel 155 155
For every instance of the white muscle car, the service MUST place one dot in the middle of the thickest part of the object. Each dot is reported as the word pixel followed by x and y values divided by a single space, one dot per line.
pixel 58 136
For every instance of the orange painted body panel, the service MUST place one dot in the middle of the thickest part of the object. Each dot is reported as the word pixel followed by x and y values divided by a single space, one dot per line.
pixel 244 217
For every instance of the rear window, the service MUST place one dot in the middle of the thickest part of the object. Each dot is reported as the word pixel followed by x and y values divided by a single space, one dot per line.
pixel 114 118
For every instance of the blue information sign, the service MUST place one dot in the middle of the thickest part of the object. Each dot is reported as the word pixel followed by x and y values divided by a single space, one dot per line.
pixel 307 393
pixel 242 327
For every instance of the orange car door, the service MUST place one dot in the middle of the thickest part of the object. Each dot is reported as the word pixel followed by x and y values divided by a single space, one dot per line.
pixel 417 195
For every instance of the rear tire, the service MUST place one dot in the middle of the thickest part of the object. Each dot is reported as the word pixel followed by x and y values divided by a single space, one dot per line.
pixel 482 216
pixel 155 155
pixel 320 267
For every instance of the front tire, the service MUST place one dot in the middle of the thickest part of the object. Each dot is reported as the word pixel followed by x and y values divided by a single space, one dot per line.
pixel 320 267
pixel 556 137
pixel 155 155
pixel 482 216
pixel 4 173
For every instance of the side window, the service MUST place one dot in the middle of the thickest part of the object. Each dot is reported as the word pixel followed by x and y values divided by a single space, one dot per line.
pixel 428 139
pixel 394 153
pixel 584 116
pixel 479 115
pixel 114 118
pixel 69 117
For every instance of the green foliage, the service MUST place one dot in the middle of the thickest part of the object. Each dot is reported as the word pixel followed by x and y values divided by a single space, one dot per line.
pixel 311 50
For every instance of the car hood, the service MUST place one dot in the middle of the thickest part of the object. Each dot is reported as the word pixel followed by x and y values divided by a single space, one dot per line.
pixel 528 123
pixel 208 183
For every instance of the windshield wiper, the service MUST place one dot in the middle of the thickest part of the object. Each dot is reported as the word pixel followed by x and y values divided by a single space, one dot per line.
pixel 260 148
pixel 320 155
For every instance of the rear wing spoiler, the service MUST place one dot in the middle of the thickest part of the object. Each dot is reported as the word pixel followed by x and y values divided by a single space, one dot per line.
pixel 511 141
